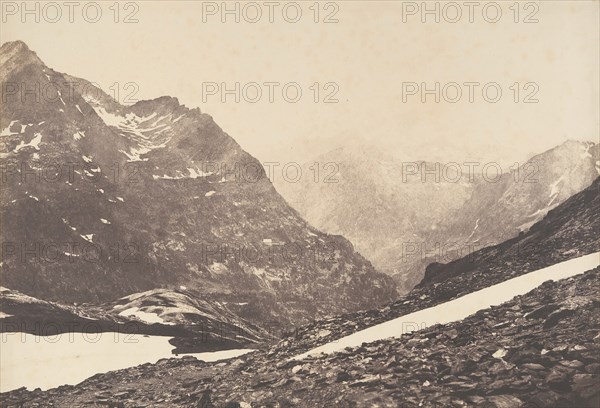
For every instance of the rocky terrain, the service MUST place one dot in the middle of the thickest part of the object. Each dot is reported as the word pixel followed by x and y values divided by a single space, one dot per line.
pixel 521 354
pixel 101 200
pixel 570 230
pixel 405 215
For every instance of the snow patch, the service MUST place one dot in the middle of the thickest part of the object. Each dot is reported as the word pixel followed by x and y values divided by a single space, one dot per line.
pixel 458 309
pixel 79 135
pixel 135 127
pixel 585 151
pixel 61 99
pixel 6 131
pixel 35 143
pixel 474 229
pixel 193 174
pixel 143 316
pixel 217 267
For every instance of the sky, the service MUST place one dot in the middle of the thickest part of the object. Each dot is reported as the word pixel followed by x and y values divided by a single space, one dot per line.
pixel 369 60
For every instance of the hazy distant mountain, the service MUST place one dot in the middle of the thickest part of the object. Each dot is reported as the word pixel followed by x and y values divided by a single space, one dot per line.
pixel 404 215
pixel 154 195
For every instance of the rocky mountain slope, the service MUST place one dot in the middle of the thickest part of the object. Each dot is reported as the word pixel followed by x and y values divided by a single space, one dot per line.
pixel 101 200
pixel 538 350
pixel 403 216
pixel 569 231
pixel 362 193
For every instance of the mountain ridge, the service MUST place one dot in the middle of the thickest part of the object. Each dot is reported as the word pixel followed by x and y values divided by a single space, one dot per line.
pixel 162 185
pixel 404 215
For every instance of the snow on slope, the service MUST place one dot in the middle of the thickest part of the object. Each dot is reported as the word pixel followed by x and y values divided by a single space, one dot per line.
pixel 462 307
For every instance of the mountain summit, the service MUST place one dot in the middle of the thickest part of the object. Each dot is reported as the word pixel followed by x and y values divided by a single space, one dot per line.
pixel 17 54
pixel 102 200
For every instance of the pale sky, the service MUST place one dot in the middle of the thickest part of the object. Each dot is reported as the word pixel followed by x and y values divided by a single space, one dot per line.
pixel 369 53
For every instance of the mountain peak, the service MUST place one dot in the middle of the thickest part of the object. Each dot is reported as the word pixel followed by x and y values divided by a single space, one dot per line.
pixel 577 148
pixel 14 46
pixel 17 53
pixel 575 142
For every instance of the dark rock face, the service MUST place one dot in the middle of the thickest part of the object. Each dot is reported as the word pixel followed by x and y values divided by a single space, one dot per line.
pixel 499 357
pixel 102 200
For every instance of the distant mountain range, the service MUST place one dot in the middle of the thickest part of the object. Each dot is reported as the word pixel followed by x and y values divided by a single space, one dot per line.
pixel 101 200
pixel 405 215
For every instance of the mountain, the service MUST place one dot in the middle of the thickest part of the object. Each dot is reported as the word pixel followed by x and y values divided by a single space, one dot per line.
pixel 362 193
pixel 403 216
pixel 101 200
pixel 539 349
pixel 568 231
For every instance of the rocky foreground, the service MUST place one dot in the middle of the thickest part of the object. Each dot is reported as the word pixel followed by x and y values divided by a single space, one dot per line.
pixel 538 350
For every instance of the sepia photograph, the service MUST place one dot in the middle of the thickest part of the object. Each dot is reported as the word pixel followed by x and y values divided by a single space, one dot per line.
pixel 311 203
